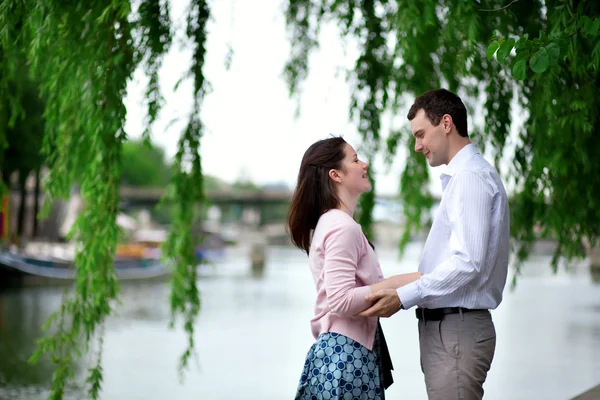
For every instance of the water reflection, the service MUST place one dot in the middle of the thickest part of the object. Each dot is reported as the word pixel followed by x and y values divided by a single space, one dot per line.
pixel 253 334
pixel 142 301
pixel 22 313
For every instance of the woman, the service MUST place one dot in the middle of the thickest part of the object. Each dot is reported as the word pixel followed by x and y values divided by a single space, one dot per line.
pixel 350 358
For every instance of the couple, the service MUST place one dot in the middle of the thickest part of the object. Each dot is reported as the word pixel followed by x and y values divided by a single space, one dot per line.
pixel 461 275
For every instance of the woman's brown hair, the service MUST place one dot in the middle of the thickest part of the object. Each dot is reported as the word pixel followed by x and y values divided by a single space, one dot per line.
pixel 315 192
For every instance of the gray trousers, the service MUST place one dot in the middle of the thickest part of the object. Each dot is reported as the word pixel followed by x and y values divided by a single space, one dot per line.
pixel 456 354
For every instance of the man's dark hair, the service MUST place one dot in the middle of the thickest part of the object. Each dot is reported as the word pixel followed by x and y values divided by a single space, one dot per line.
pixel 436 103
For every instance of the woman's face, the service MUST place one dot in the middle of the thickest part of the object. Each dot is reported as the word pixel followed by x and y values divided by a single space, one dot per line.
pixel 353 174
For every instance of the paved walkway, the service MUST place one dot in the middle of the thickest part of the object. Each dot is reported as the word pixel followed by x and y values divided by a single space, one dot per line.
pixel 592 394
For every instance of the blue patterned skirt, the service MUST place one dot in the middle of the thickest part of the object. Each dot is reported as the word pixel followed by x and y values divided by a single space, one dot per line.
pixel 340 368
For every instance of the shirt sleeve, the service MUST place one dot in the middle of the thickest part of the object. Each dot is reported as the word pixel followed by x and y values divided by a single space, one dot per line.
pixel 469 208
pixel 342 248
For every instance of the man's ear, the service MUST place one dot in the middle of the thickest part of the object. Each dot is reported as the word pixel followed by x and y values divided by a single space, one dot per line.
pixel 447 123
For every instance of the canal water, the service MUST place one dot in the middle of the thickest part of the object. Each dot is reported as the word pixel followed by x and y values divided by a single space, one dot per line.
pixel 253 333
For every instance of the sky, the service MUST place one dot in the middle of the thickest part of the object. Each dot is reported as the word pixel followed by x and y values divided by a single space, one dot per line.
pixel 252 130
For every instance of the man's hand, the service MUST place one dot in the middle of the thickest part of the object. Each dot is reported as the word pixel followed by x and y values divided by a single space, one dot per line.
pixel 387 303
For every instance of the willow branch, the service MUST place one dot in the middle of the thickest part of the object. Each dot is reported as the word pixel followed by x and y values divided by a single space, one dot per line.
pixel 501 8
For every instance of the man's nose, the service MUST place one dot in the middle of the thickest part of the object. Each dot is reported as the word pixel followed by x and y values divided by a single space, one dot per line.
pixel 418 146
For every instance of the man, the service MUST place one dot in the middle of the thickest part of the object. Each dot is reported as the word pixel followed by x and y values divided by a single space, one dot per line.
pixel 465 258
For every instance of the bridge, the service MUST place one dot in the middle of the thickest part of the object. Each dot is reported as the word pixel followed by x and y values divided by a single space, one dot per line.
pixel 133 196
pixel 250 207
pixel 151 196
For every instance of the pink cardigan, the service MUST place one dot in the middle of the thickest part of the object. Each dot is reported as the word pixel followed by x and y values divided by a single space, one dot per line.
pixel 343 264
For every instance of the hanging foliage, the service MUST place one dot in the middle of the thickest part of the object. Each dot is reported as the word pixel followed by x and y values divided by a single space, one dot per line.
pixel 538 58
pixel 83 87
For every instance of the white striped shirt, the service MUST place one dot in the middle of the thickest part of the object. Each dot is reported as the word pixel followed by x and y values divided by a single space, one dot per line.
pixel 465 258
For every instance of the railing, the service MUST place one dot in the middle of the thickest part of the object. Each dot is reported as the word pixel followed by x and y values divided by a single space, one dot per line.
pixel 153 195
pixel 273 196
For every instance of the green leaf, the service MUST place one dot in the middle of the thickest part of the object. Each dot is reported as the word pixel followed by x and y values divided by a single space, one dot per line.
pixel 505 49
pixel 473 31
pixel 524 43
pixel 563 42
pixel 591 27
pixel 553 52
pixel 582 21
pixel 521 55
pixel 587 27
pixel 539 61
pixel 519 70
pixel 491 50
pixel 521 43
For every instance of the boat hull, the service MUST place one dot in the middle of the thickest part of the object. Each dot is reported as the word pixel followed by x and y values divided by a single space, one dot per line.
pixel 16 268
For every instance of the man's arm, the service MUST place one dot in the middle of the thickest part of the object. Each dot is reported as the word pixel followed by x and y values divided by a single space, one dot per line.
pixel 469 206
pixel 386 303
pixel 386 291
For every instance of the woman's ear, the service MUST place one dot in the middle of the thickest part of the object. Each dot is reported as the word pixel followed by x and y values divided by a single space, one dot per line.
pixel 335 176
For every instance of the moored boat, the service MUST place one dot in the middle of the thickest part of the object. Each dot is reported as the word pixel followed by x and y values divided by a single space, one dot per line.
pixel 21 268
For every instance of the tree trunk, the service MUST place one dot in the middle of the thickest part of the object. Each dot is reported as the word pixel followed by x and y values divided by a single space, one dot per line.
pixel 593 253
pixel 594 257
pixel 36 202
pixel 22 203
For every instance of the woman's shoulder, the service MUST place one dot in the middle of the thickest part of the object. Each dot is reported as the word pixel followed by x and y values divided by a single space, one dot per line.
pixel 337 223
pixel 336 218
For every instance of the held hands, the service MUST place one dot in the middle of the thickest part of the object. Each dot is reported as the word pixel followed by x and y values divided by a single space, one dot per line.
pixel 386 304
pixel 384 296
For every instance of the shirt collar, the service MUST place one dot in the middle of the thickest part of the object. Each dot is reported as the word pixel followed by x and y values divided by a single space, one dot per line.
pixel 457 163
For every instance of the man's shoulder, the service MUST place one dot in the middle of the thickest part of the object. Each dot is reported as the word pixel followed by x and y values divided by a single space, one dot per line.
pixel 479 173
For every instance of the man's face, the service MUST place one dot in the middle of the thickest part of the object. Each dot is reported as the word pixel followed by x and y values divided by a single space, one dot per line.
pixel 430 140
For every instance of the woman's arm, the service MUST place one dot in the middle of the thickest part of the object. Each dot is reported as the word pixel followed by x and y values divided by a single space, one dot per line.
pixel 340 261
pixel 396 281
pixel 389 285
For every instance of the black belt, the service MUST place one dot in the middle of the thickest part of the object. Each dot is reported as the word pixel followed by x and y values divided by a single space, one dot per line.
pixel 437 314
